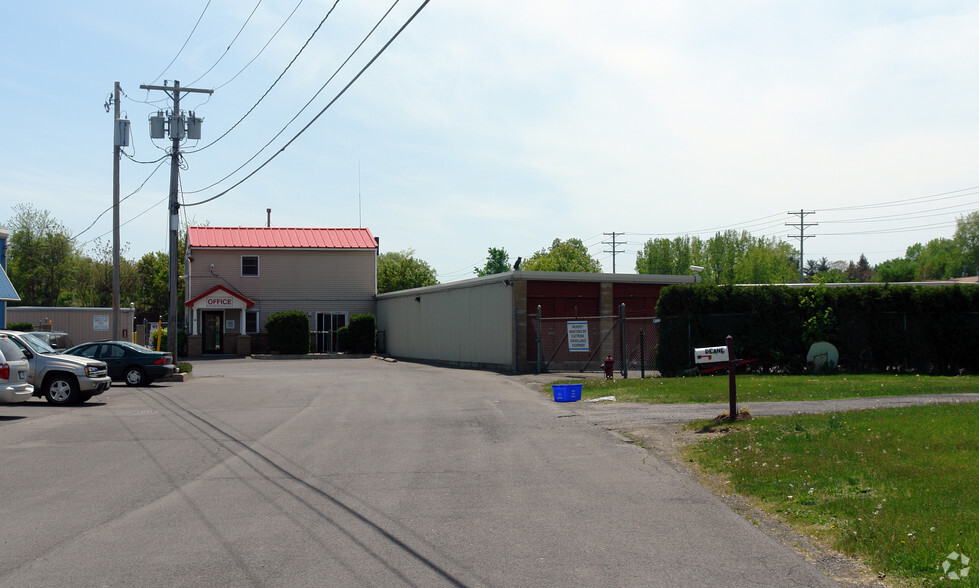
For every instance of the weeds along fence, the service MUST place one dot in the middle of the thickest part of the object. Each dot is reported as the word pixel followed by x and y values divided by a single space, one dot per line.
pixel 581 344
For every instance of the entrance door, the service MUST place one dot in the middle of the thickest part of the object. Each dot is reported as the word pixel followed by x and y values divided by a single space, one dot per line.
pixel 213 333
pixel 327 325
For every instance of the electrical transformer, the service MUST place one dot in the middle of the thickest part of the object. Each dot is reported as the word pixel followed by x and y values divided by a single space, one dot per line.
pixel 194 127
pixel 156 126
pixel 122 132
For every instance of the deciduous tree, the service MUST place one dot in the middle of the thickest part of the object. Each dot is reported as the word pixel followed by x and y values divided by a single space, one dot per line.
pixel 563 256
pixel 400 270
pixel 497 262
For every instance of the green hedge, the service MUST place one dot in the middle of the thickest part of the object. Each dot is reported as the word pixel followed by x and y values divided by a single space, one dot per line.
pixel 289 332
pixel 875 328
pixel 359 335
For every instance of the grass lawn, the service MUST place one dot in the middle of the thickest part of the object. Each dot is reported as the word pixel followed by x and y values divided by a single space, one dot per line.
pixel 755 388
pixel 897 487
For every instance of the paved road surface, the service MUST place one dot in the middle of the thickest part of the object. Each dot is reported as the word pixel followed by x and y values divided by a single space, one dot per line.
pixel 355 473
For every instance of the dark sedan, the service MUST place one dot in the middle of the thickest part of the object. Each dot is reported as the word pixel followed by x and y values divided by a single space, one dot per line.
pixel 131 363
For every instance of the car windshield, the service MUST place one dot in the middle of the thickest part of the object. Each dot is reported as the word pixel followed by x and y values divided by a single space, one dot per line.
pixel 36 344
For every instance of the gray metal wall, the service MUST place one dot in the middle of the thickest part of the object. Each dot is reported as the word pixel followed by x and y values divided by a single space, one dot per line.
pixel 467 323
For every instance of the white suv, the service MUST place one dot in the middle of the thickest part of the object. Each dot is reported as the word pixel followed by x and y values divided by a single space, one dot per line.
pixel 61 379
pixel 14 386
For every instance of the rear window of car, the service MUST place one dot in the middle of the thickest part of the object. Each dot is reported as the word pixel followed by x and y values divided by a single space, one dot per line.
pixel 9 351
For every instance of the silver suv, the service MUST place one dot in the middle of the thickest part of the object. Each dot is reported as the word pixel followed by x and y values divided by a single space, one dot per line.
pixel 61 379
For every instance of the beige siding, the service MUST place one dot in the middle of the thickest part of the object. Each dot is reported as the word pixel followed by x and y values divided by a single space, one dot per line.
pixel 308 280
pixel 77 322
pixel 470 326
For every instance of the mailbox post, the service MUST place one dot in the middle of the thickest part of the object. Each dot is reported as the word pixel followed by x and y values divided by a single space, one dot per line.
pixel 718 356
pixel 733 370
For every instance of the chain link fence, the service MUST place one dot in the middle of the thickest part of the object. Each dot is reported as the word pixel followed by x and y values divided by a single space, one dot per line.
pixel 581 344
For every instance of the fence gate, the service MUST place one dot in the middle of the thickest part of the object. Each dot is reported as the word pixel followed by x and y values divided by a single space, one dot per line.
pixel 582 343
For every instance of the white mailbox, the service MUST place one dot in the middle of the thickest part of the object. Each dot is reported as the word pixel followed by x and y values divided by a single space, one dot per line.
pixel 711 354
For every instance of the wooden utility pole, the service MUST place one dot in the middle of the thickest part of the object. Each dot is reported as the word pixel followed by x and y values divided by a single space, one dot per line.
pixel 177 131
pixel 119 141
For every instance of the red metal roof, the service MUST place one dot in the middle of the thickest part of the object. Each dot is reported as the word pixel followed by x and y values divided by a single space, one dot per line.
pixel 280 238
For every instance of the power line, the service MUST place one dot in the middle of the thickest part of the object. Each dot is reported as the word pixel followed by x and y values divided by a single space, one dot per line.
pixel 86 229
pixel 264 47
pixel 228 48
pixel 325 108
pixel 266 93
pixel 614 250
pixel 182 47
pixel 802 236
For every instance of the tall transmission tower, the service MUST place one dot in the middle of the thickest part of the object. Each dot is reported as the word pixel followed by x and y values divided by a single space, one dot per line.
pixel 613 243
pixel 802 236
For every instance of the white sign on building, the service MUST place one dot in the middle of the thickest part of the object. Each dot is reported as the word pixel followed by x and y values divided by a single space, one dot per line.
pixel 578 336
pixel 100 322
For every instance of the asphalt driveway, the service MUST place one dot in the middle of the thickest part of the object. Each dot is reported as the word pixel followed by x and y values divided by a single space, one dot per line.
pixel 356 473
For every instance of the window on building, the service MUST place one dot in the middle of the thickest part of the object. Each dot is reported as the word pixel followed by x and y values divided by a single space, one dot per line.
pixel 251 321
pixel 249 265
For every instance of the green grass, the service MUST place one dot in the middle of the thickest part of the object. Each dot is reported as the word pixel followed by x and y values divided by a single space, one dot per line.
pixel 755 388
pixel 897 487
pixel 184 366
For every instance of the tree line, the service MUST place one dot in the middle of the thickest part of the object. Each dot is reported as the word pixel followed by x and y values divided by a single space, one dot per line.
pixel 47 268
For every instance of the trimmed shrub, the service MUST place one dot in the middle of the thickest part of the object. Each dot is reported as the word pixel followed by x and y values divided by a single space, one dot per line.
pixel 164 345
pixel 23 327
pixel 359 335
pixel 289 332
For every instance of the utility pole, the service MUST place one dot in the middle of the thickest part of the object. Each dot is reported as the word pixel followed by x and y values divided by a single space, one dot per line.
pixel 614 251
pixel 802 236
pixel 177 130
pixel 119 139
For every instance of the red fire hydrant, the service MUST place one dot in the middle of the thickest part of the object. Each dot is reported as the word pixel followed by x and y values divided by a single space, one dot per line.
pixel 607 364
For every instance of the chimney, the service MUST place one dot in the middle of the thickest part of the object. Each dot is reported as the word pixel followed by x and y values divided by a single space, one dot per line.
pixel 268 217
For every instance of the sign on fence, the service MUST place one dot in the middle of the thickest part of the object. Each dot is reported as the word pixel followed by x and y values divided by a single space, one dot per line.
pixel 710 354
pixel 578 336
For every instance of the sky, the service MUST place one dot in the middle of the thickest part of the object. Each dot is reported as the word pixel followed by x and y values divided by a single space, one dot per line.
pixel 503 124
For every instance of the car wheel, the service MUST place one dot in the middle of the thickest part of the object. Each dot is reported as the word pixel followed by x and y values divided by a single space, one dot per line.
pixel 61 390
pixel 135 376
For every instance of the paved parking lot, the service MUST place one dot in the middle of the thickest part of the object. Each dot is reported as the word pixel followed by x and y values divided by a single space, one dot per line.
pixel 352 473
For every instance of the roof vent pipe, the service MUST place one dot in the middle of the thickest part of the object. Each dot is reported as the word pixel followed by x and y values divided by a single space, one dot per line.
pixel 268 217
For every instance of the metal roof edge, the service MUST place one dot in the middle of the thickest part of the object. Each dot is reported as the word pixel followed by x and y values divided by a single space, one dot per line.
pixel 523 276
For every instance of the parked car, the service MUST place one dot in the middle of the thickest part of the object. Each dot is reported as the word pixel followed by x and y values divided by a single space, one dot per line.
pixel 14 386
pixel 61 379
pixel 57 340
pixel 131 363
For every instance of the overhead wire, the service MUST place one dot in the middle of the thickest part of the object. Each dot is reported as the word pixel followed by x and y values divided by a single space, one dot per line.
pixel 182 47
pixel 331 103
pixel 121 200
pixel 266 93
pixel 262 50
pixel 228 48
